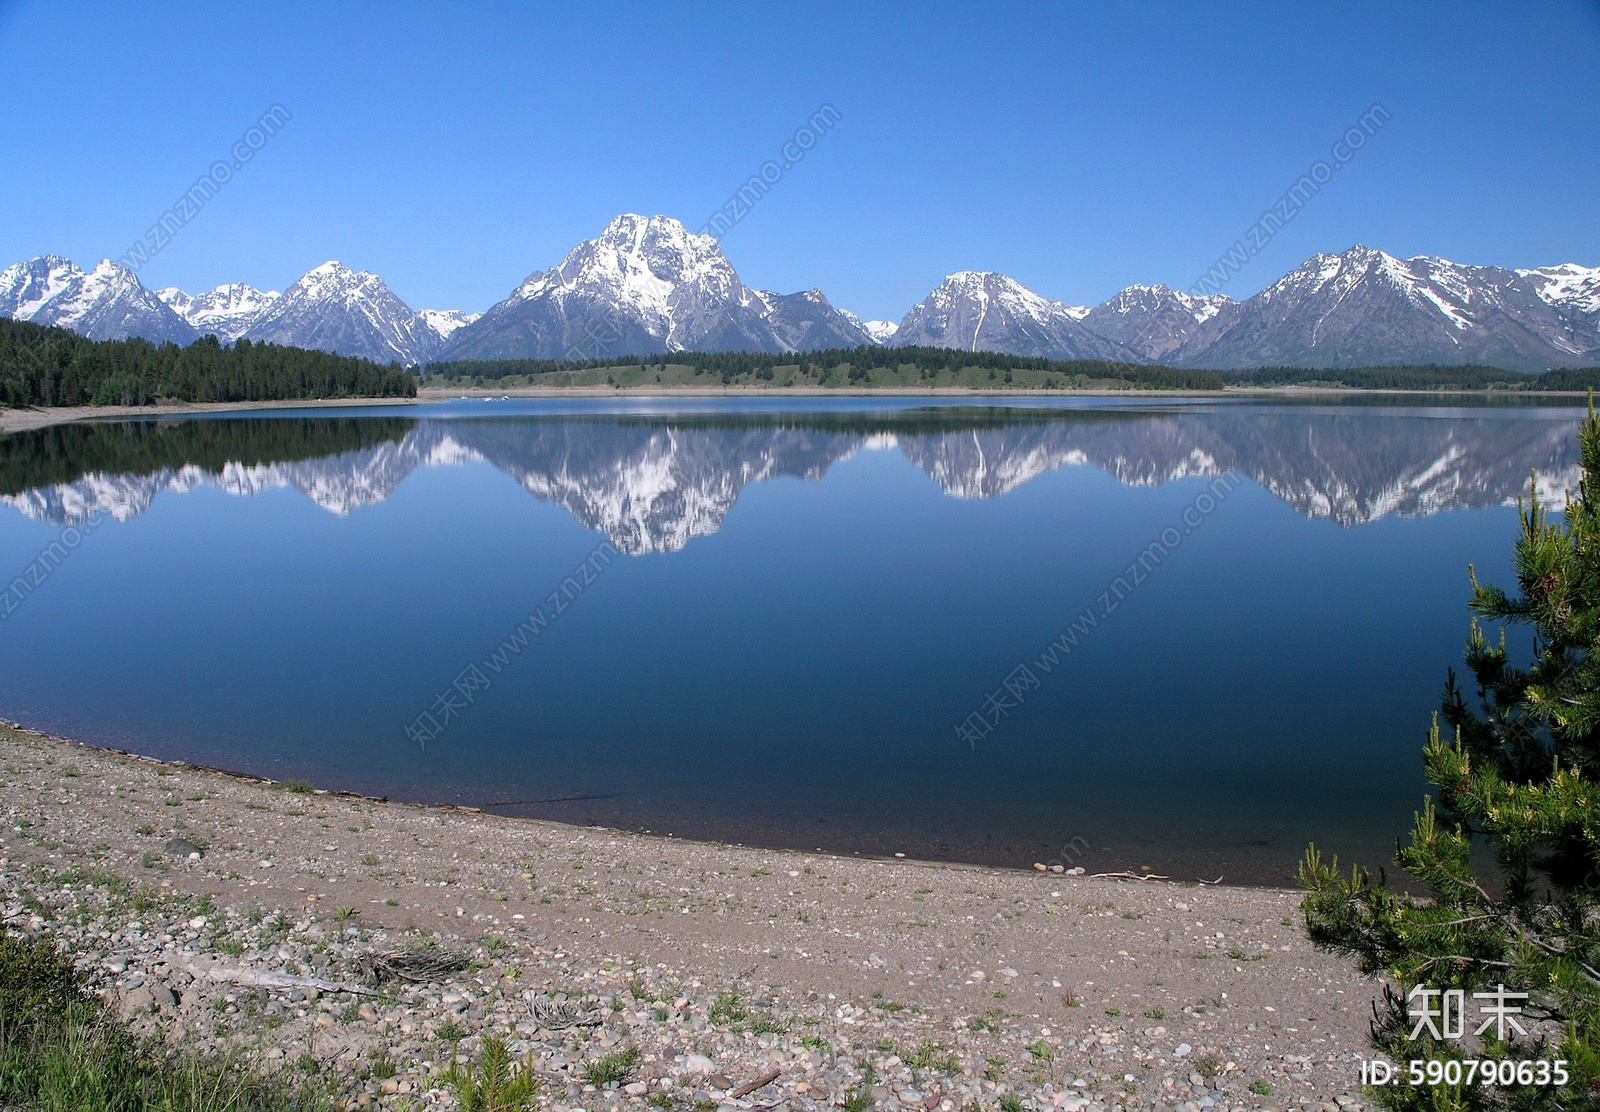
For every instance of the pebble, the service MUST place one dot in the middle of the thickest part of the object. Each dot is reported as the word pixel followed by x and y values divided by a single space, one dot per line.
pixel 182 847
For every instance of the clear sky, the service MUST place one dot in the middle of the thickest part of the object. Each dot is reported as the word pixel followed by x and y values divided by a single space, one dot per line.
pixel 1079 149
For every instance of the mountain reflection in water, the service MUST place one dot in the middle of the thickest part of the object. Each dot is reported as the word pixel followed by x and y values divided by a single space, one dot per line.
pixel 650 485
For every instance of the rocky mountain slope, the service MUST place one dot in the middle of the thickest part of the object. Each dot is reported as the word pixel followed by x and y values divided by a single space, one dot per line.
pixel 1359 308
pixel 331 308
pixel 1160 324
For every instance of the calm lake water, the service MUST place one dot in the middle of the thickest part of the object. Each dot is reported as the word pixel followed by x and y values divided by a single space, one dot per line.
pixel 789 624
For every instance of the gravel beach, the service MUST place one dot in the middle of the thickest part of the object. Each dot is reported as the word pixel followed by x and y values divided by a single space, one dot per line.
pixel 219 910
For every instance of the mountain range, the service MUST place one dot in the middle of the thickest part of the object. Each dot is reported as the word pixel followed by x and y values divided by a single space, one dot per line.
pixel 649 286
pixel 331 308
pixel 651 486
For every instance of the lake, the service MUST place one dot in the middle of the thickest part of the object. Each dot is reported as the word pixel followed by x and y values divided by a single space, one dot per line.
pixel 1188 636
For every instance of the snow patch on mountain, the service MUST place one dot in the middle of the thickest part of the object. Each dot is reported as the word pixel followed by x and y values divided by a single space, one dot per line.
pixel 446 321
pixel 1567 286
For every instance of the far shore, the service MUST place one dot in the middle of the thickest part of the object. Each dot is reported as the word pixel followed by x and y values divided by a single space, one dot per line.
pixel 23 419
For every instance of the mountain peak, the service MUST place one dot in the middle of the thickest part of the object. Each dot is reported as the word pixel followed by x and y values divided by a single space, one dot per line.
pixel 632 226
pixel 446 322
pixel 982 310
pixel 647 285
pixel 1160 323
pixel 352 312
pixel 1365 307
pixel 26 287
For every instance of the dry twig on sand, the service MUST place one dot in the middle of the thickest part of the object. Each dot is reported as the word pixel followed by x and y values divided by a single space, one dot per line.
pixel 558 1017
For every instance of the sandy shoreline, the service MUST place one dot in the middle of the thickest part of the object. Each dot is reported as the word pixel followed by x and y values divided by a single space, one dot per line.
pixel 1194 993
pixel 20 420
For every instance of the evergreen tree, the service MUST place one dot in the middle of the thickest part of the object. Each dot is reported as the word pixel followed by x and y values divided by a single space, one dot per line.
pixel 1516 771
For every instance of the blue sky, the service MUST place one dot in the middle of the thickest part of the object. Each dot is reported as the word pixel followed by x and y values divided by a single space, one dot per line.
pixel 1079 149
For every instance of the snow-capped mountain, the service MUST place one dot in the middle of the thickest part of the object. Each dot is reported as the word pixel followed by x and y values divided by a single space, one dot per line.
pixel 332 308
pixel 647 285
pixel 106 303
pixel 226 312
pixel 881 331
pixel 1160 324
pixel 351 312
pixel 983 311
pixel 1365 307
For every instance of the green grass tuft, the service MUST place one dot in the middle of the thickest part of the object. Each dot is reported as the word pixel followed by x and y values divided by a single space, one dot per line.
pixel 727 1009
pixel 617 1066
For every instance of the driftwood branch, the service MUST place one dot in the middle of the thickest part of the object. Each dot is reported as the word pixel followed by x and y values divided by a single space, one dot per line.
pixel 264 978
pixel 751 1086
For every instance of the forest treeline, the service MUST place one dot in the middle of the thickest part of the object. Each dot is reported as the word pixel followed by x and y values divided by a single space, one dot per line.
pixel 53 366
pixel 862 366
pixel 923 366
pixel 1425 377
